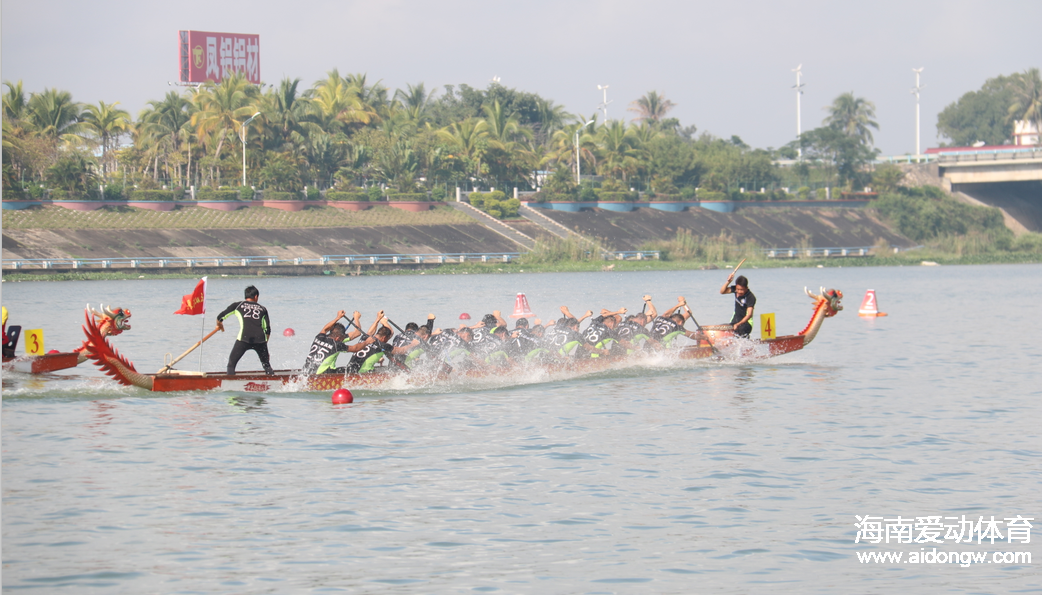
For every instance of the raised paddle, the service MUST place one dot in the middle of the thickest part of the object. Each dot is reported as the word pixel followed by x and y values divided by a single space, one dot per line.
pixel 190 350
pixel 738 266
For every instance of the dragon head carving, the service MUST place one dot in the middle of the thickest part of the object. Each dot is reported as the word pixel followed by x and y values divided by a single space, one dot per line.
pixel 112 321
pixel 832 299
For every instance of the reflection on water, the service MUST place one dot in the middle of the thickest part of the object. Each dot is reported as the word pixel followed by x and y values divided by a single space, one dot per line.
pixel 743 476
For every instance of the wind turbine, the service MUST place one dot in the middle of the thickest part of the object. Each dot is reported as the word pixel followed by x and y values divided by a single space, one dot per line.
pixel 799 91
pixel 604 104
pixel 915 92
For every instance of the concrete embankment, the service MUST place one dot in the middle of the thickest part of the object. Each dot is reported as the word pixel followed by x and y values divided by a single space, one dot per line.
pixel 769 227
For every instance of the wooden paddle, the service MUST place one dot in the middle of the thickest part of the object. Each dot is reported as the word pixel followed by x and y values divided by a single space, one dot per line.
pixel 738 266
pixel 190 350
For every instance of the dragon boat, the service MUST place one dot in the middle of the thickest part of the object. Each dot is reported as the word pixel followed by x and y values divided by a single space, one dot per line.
pixel 720 343
pixel 110 322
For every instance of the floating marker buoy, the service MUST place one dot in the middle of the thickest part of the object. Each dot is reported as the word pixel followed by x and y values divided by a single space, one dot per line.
pixel 521 309
pixel 288 333
pixel 342 396
pixel 869 307
pixel 464 316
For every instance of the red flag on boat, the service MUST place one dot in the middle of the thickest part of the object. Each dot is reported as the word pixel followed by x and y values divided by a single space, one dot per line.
pixel 195 302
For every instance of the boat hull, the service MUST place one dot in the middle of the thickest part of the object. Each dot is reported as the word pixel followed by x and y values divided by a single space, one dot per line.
pixel 260 382
pixel 42 364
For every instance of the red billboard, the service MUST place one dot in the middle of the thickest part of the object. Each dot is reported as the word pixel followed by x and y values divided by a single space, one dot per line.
pixel 206 56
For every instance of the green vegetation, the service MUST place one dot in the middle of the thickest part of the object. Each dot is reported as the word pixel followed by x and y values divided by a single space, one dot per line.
pixel 987 115
pixel 350 135
pixel 495 203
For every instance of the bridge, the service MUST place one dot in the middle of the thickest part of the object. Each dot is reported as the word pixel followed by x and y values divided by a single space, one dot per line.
pixel 1008 177
pixel 986 165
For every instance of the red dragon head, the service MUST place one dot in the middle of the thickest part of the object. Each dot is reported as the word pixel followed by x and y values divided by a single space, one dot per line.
pixel 111 321
pixel 831 299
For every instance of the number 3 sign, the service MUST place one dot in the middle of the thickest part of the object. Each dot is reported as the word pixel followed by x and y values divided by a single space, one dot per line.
pixel 34 342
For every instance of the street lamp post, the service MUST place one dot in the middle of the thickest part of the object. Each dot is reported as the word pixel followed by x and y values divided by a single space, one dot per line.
pixel 799 91
pixel 578 166
pixel 915 92
pixel 243 139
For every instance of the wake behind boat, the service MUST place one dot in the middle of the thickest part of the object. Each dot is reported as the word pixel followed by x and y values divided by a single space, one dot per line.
pixel 720 344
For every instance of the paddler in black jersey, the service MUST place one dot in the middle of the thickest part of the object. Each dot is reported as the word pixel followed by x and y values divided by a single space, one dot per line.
pixel 254 330
pixel 563 338
pixel 364 360
pixel 414 339
pixel 631 333
pixel 666 329
pixel 332 341
pixel 525 344
pixel 484 329
pixel 599 336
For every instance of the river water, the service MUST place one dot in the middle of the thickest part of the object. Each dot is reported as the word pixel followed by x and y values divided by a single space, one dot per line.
pixel 669 477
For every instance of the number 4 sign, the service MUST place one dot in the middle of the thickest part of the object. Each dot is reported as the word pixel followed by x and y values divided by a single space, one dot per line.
pixel 34 342
pixel 767 328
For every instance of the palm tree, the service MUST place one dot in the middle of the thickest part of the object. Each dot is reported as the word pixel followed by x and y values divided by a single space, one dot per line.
pixel 469 139
pixel 414 101
pixel 286 111
pixel 373 97
pixel 652 107
pixel 107 124
pixel 853 117
pixel 14 101
pixel 503 128
pixel 619 153
pixel 164 127
pixel 549 119
pixel 53 113
pixel 222 110
pixel 1027 91
pixel 338 104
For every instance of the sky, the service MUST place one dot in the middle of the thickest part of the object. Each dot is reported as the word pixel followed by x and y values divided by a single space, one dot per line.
pixel 727 66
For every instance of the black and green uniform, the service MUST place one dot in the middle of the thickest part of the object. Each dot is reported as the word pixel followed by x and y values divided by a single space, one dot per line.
pixel 632 333
pixel 254 329
pixel 563 341
pixel 366 358
pixel 665 331
pixel 598 336
pixel 323 354
pixel 526 346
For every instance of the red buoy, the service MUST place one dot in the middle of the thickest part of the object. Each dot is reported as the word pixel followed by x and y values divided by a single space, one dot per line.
pixel 288 333
pixel 342 396
pixel 464 316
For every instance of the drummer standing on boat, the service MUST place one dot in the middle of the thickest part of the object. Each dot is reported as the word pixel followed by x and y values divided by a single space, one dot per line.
pixel 254 330
pixel 744 302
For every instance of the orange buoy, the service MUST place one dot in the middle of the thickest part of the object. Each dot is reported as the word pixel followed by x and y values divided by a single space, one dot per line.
pixel 869 306
pixel 342 396
pixel 521 309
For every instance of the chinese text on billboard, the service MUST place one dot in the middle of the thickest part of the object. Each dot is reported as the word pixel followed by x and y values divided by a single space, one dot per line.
pixel 206 56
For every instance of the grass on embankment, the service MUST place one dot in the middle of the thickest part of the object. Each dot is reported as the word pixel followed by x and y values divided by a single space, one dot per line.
pixel 51 217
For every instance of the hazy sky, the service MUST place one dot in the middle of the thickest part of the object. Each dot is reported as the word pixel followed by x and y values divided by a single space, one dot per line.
pixel 726 65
